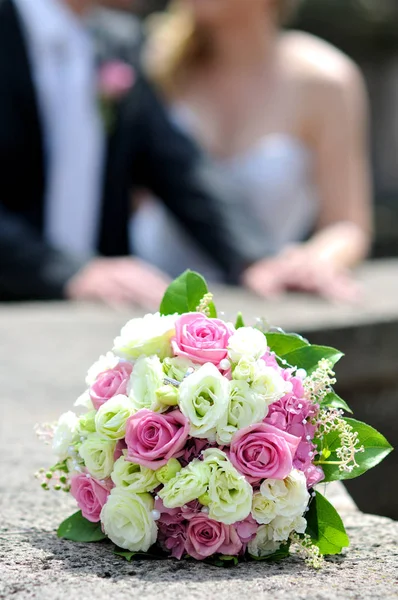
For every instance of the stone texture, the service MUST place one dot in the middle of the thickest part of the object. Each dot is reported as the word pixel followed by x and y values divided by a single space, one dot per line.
pixel 38 565
pixel 45 351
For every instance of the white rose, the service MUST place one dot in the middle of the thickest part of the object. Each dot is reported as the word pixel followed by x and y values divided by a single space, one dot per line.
pixel 111 417
pixel 263 509
pixel 245 408
pixel 127 520
pixel 269 383
pixel 297 498
pixel 247 342
pixel 204 400
pixel 145 337
pixel 104 363
pixel 263 544
pixel 246 369
pixel 282 527
pixel 97 453
pixel 147 377
pixel 274 489
pixel 132 477
pixel 66 434
pixel 290 496
pixel 84 401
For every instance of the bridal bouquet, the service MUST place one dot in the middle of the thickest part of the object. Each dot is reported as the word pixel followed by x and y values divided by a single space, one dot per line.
pixel 202 438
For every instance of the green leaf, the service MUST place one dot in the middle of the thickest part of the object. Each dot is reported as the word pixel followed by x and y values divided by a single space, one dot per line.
pixel 284 343
pixel 239 321
pixel 332 400
pixel 129 556
pixel 78 529
pixel 184 295
pixel 222 561
pixel 325 526
pixel 308 357
pixel 125 554
pixel 376 449
pixel 283 552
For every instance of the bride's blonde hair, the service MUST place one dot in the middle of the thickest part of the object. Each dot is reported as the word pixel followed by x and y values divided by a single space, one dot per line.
pixel 176 44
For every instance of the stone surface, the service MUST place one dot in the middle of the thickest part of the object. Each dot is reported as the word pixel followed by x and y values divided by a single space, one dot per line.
pixel 45 351
pixel 38 565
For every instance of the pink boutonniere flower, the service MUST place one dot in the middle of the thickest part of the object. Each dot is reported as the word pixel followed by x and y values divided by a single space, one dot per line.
pixel 115 80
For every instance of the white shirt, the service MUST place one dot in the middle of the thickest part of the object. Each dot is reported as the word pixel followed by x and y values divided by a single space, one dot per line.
pixel 62 60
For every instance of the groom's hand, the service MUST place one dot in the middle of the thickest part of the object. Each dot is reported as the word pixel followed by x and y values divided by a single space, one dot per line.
pixel 117 282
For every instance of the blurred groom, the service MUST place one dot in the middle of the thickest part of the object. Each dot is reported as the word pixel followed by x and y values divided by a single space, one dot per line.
pixel 65 183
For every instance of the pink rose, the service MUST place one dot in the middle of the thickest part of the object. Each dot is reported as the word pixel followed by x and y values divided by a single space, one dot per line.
pixel 115 79
pixel 110 383
pixel 201 339
pixel 262 451
pixel 152 438
pixel 206 537
pixel 91 495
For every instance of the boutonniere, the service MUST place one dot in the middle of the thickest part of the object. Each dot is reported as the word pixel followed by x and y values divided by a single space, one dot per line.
pixel 115 80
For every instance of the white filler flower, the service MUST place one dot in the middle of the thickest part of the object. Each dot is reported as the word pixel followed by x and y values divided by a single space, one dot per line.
pixel 66 433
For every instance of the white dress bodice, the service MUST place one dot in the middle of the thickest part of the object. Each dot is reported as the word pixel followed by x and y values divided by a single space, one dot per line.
pixel 275 179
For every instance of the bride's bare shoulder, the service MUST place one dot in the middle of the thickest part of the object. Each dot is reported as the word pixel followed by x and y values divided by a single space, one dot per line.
pixel 316 61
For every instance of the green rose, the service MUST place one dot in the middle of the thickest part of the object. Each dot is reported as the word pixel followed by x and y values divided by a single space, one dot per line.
pixel 189 484
pixel 177 367
pixel 204 399
pixel 111 418
pixel 87 423
pixel 245 408
pixel 127 520
pixel 132 477
pixel 169 471
pixel 229 493
pixel 97 453
pixel 167 395
pixel 146 379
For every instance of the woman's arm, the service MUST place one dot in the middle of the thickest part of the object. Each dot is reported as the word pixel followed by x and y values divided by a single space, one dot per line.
pixel 339 126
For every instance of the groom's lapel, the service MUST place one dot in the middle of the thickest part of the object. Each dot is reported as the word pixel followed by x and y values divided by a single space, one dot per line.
pixel 19 77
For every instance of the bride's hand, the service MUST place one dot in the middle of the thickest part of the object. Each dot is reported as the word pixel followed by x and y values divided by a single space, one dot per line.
pixel 118 282
pixel 298 268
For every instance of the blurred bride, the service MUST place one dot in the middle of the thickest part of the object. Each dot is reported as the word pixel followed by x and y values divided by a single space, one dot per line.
pixel 284 115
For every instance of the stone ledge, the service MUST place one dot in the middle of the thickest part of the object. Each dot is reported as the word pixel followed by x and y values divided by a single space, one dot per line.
pixel 40 566
pixel 294 312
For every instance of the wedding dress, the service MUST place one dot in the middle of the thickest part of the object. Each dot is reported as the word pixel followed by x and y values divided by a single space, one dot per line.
pixel 275 179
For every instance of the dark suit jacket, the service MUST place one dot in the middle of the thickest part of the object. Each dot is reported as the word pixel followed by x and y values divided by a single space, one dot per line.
pixel 144 150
